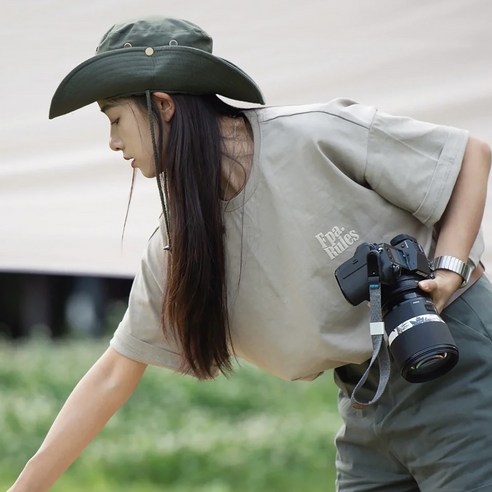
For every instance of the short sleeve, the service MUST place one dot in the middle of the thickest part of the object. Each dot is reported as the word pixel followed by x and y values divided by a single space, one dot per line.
pixel 414 164
pixel 139 336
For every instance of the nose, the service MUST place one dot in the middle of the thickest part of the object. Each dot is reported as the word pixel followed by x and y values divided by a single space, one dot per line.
pixel 115 144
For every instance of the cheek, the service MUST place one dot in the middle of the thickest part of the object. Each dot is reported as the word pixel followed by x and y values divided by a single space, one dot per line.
pixel 145 149
pixel 146 144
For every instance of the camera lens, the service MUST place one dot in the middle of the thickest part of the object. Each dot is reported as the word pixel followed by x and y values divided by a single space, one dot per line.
pixel 427 366
pixel 419 339
pixel 429 363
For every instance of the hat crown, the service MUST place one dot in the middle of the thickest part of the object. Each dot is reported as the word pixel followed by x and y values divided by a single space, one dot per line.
pixel 155 32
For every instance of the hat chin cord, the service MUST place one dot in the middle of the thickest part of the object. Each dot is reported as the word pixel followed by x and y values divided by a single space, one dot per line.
pixel 162 176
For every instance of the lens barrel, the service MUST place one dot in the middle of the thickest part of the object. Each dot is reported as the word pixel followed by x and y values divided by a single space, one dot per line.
pixel 419 340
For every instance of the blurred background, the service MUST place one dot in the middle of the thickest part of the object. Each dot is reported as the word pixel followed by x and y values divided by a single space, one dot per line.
pixel 65 272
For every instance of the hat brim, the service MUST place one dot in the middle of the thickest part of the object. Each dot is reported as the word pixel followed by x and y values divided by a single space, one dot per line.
pixel 129 71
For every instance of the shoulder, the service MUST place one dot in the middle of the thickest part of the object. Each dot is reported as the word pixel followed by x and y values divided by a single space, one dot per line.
pixel 336 111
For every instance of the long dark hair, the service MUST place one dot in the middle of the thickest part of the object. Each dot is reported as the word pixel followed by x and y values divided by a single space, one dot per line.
pixel 195 300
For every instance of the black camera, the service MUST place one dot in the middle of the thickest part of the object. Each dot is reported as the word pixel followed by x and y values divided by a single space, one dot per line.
pixel 419 340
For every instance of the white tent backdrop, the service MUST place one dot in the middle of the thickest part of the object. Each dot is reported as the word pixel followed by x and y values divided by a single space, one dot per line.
pixel 63 193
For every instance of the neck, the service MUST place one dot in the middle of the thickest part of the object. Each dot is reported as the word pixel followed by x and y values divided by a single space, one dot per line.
pixel 237 158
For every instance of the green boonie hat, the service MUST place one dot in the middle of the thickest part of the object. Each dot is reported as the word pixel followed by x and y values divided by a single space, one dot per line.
pixel 152 54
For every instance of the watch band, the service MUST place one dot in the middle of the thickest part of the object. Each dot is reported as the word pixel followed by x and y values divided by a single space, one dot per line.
pixel 454 265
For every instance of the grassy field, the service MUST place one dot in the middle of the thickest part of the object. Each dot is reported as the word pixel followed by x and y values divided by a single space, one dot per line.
pixel 250 432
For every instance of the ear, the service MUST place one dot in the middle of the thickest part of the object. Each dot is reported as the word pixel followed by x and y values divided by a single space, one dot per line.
pixel 166 105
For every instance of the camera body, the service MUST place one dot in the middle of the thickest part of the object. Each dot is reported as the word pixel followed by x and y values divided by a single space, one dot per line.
pixel 419 339
pixel 403 259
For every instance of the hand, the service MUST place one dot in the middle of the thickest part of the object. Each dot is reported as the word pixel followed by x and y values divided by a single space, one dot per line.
pixel 442 287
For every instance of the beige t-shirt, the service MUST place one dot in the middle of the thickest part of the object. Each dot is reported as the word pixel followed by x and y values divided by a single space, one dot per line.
pixel 325 178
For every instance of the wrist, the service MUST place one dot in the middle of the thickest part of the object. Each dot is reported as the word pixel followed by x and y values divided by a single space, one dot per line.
pixel 455 265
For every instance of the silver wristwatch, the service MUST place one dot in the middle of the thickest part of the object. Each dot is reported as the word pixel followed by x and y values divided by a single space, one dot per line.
pixel 454 265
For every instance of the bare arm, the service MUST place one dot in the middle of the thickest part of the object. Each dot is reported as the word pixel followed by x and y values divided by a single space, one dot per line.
pixel 98 395
pixel 461 220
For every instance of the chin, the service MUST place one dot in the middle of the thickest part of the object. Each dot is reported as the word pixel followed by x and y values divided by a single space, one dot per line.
pixel 148 174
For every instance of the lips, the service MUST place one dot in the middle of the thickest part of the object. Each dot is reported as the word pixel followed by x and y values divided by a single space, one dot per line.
pixel 132 163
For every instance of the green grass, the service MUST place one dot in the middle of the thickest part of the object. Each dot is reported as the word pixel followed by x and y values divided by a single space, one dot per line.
pixel 250 432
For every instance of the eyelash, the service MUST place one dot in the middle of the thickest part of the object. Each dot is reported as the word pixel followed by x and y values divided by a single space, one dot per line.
pixel 115 122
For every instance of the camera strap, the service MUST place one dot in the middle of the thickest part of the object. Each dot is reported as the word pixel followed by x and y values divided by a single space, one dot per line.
pixel 380 352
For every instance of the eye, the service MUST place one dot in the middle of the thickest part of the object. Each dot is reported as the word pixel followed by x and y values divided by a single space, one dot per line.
pixel 115 122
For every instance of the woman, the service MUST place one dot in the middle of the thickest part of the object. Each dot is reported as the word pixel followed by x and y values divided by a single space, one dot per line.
pixel 260 208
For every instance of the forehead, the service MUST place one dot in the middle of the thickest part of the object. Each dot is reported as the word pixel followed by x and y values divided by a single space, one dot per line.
pixel 121 106
pixel 107 104
pixel 120 103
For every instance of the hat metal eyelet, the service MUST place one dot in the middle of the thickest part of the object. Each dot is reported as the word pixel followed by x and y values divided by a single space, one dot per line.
pixel 173 42
pixel 128 45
